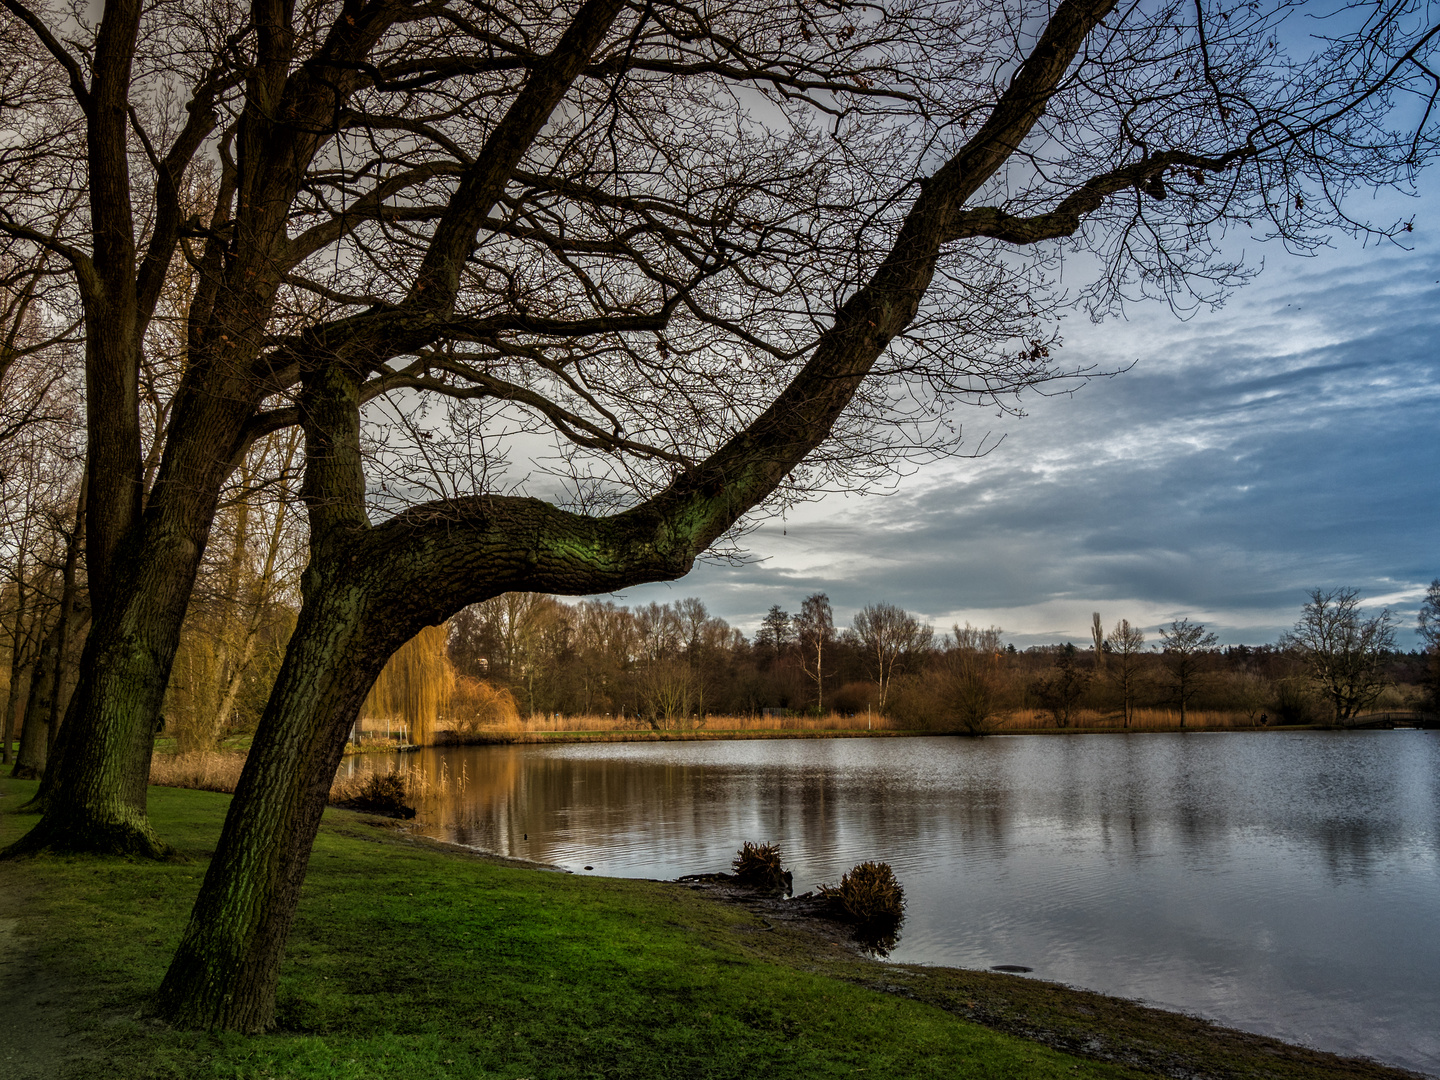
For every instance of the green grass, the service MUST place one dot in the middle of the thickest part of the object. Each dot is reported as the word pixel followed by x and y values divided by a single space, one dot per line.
pixel 410 962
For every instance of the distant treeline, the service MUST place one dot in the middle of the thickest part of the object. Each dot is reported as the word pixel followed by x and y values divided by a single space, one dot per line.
pixel 668 664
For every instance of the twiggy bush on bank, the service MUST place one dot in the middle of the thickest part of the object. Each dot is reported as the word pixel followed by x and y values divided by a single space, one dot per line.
pixel 758 866
pixel 382 793
pixel 868 894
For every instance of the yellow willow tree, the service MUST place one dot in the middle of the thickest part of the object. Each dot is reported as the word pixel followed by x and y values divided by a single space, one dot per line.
pixel 415 685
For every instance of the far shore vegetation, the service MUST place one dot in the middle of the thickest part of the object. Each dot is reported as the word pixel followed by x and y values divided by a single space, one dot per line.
pixel 528 667
pixel 533 668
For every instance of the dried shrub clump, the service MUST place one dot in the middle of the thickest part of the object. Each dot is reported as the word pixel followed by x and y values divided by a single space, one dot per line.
pixel 868 895
pixel 377 793
pixel 758 866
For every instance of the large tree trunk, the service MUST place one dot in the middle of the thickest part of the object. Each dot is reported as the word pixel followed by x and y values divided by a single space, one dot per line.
pixel 14 717
pixel 71 622
pixel 95 790
pixel 19 668
pixel 142 556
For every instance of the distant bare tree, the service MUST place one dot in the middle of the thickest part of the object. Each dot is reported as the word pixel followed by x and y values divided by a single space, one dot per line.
pixel 888 634
pixel 1126 645
pixel 1427 625
pixel 1344 651
pixel 815 629
pixel 605 645
pixel 693 617
pixel 667 687
pixel 1427 619
pixel 660 631
pixel 1062 689
pixel 1097 635
pixel 971 673
pixel 1184 646
pixel 775 630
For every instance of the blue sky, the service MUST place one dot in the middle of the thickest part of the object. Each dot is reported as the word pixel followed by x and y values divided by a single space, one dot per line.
pixel 1285 442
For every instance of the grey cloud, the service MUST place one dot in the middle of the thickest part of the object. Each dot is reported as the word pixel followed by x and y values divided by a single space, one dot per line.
pixel 1286 443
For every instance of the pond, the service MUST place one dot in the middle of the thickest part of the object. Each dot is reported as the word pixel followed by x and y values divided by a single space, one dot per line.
pixel 1284 883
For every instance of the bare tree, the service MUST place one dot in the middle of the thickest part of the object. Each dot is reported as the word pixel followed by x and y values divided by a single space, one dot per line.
pixel 717 257
pixel 970 674
pixel 1427 625
pixel 1127 644
pixel 52 678
pixel 1344 651
pixel 246 591
pixel 1061 690
pixel 888 635
pixel 1427 619
pixel 38 494
pixel 693 619
pixel 815 630
pixel 605 647
pixel 776 630
pixel 1097 638
pixel 1184 647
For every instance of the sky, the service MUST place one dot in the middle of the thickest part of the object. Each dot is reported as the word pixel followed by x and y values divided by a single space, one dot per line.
pixel 1283 443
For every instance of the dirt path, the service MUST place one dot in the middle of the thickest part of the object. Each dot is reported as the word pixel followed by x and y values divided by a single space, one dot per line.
pixel 36 1038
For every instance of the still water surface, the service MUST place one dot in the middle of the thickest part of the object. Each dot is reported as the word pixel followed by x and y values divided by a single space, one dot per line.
pixel 1285 883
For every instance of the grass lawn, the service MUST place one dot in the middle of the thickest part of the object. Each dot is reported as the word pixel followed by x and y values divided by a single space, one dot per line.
pixel 412 962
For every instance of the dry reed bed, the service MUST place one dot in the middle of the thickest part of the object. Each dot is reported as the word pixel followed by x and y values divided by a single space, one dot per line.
pixel 1140 720
pixel 556 723
pixel 536 727
pixel 219 770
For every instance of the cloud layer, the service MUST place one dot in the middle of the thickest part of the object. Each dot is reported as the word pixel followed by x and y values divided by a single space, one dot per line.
pixel 1286 442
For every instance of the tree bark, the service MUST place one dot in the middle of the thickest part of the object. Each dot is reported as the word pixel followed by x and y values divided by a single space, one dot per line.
pixel 67 625
pixel 19 666
pixel 34 741
pixel 225 971
pixel 14 718
pixel 29 759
